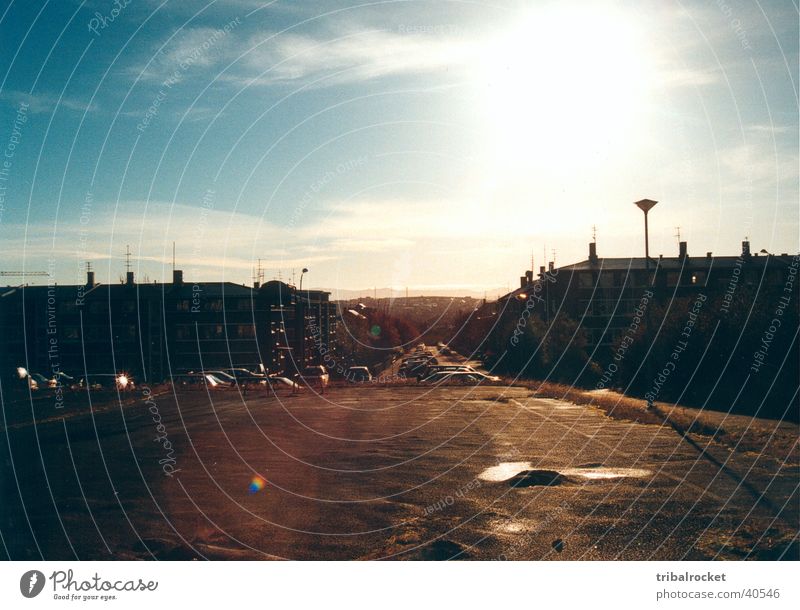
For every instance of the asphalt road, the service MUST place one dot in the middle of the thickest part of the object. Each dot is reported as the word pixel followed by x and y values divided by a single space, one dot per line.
pixel 372 472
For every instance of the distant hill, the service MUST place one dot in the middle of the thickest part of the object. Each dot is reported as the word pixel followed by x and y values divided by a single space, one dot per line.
pixel 338 294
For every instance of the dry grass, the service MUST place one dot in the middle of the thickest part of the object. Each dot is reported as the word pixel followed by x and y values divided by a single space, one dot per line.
pixel 613 404
pixel 743 433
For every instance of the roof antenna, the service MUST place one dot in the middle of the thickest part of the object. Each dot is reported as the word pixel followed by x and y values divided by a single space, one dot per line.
pixel 594 233
pixel 127 258
pixel 173 257
pixel 678 233
pixel 554 257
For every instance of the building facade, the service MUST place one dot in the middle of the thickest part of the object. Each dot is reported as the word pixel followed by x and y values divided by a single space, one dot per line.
pixel 605 295
pixel 155 330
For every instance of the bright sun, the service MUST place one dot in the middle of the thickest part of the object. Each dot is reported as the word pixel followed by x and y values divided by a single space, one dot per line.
pixel 563 83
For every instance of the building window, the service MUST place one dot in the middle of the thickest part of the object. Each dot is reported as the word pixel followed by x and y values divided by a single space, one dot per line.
pixel 585 280
pixel 212 331
pixel 72 333
pixel 182 305
pixel 639 279
pixel 599 307
pixel 126 332
pixel 213 305
pixel 673 277
pixel 245 331
pixel 183 332
pixel 699 278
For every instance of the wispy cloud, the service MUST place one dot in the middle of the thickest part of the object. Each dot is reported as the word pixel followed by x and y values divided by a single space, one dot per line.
pixel 356 56
pixel 764 128
pixel 673 78
pixel 189 50
pixel 45 102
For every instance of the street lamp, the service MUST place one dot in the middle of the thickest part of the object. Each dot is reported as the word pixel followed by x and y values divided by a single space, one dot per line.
pixel 645 205
pixel 302 324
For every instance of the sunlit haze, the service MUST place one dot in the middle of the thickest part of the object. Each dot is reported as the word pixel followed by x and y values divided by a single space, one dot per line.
pixel 424 145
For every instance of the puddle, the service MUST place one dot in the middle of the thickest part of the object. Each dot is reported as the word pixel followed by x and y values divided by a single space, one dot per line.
pixel 522 474
pixel 504 471
pixel 600 473
pixel 509 528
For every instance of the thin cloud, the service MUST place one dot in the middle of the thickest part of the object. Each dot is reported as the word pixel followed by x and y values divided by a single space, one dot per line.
pixel 359 56
pixel 45 103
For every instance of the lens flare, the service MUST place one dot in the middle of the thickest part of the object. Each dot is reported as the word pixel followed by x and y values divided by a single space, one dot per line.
pixel 257 484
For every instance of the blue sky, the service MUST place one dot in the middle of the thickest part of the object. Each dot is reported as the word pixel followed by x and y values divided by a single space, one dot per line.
pixel 426 144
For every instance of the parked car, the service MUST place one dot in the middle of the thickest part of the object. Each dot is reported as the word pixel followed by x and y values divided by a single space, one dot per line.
pixel 413 368
pixel 200 381
pixel 416 361
pixel 36 381
pixel 278 382
pixel 223 376
pixel 63 379
pixel 358 374
pixel 245 376
pixel 315 375
pixel 473 378
pixel 453 368
pixel 21 380
pixel 107 381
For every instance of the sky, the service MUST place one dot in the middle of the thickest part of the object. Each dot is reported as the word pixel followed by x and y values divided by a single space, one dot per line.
pixel 434 145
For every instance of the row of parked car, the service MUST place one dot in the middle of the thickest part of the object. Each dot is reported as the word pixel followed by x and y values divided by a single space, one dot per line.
pixel 217 379
pixel 212 379
pixel 37 381
pixel 422 364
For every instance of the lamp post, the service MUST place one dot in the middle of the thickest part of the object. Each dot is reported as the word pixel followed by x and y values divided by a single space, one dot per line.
pixel 302 273
pixel 645 205
pixel 302 325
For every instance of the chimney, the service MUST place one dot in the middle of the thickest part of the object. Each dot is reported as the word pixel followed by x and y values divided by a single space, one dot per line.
pixel 550 266
pixel 541 270
pixel 746 250
pixel 177 277
pixel 523 281
pixel 708 254
pixel 593 252
pixel 529 276
pixel 256 285
pixel 682 249
pixel 90 279
pixel 129 278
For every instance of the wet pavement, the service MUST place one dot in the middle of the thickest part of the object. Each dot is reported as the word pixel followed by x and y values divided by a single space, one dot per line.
pixel 372 472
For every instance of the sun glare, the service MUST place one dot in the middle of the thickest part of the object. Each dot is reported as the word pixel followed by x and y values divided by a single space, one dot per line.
pixel 562 83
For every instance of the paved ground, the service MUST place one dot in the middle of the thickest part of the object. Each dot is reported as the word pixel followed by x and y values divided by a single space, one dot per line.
pixel 380 472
